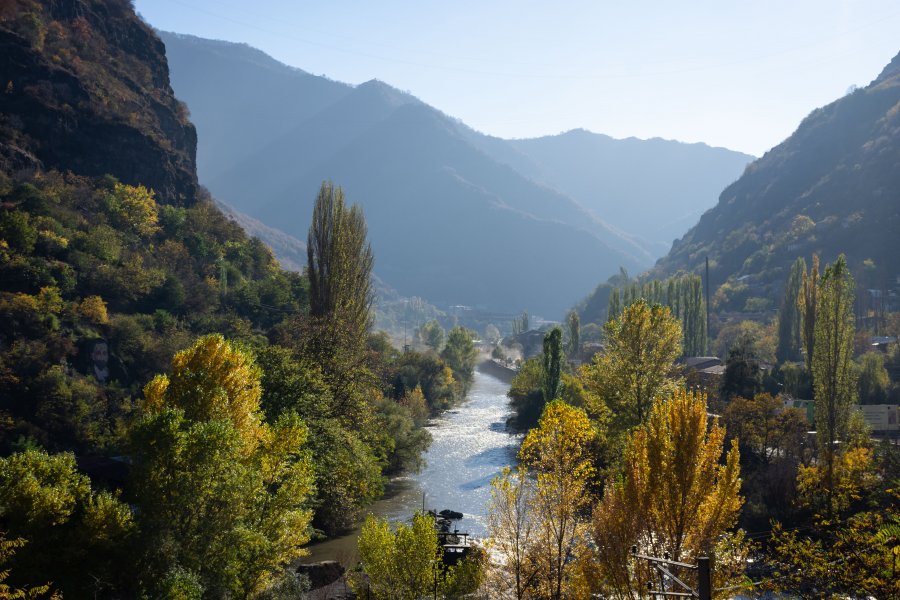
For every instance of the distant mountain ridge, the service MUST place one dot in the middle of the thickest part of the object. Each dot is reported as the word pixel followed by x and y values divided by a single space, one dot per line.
pixel 455 216
pixel 833 186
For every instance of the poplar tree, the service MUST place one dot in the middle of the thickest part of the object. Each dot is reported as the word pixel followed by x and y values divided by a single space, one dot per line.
pixel 808 304
pixel 552 364
pixel 834 376
pixel 673 495
pixel 339 263
pixel 574 325
pixel 789 316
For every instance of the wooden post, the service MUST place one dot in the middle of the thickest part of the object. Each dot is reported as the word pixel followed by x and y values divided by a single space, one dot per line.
pixel 704 577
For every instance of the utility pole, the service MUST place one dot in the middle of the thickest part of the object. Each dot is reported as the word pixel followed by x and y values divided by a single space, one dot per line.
pixel 706 341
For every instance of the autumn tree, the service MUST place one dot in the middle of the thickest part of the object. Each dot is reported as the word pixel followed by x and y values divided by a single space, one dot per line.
pixel 874 384
pixel 672 495
pixel 834 377
pixel 557 452
pixel 789 315
pixel 637 365
pixel 223 494
pixel 514 532
pixel 400 563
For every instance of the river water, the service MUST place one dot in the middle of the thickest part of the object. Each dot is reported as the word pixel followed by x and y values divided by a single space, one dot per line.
pixel 469 448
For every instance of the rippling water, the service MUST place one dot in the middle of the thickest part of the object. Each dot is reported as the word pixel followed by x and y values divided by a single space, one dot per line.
pixel 469 448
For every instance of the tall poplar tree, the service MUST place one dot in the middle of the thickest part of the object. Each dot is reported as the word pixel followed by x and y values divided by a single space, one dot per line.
pixel 552 364
pixel 339 263
pixel 834 376
pixel 809 288
pixel 789 316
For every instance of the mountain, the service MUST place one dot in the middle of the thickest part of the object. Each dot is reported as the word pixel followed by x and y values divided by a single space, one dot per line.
pixel 106 239
pixel 454 215
pixel 671 182
pixel 833 186
pixel 96 78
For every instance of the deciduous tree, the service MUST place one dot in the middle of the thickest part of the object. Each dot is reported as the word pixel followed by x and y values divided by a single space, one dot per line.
pixel 834 377
pixel 672 495
pixel 637 365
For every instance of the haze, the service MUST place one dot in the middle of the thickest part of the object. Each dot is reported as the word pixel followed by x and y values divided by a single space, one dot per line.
pixel 738 75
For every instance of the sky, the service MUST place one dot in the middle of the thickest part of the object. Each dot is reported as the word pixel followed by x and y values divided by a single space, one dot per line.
pixel 740 74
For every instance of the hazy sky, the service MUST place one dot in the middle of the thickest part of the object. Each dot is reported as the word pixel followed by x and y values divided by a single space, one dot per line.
pixel 734 73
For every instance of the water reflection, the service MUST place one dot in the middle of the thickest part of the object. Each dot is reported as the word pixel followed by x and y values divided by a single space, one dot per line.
pixel 469 448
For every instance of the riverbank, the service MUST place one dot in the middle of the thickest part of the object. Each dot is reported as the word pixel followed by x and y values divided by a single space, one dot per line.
pixel 497 369
pixel 469 447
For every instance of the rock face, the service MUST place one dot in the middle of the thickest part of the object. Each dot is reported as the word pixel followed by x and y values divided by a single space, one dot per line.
pixel 85 88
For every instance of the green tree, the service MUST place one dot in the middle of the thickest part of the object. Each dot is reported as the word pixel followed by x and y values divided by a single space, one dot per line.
pixel 808 301
pixel 432 335
pixel 874 381
pixel 637 365
pixel 573 329
pixel 742 373
pixel 461 355
pixel 671 495
pixel 402 564
pixel 223 494
pixel 789 316
pixel 78 539
pixel 834 377
pixel 552 359
pixel 339 263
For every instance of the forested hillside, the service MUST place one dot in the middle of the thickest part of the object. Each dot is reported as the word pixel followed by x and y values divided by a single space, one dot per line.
pixel 831 187
pixel 157 364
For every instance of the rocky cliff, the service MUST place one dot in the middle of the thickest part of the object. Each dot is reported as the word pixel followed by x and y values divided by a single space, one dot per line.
pixel 84 87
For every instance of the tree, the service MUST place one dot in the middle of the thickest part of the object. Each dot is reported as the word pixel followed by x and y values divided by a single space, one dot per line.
pixel 432 335
pixel 637 365
pixel 8 550
pixel 513 531
pixel 742 373
pixel 558 453
pixel 339 263
pixel 573 325
pixel 874 380
pixel 461 355
pixel 223 494
pixel 789 316
pixel 552 358
pixel 671 495
pixel 401 564
pixel 808 301
pixel 834 378
pixel 78 539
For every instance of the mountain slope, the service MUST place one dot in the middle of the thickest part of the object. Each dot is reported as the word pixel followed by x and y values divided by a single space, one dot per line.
pixel 441 226
pixel 672 183
pixel 81 77
pixel 831 187
pixel 413 171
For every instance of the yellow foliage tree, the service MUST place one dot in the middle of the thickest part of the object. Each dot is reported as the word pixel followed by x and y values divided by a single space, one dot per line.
pixel 672 496
pixel 557 452
pixel 134 207
pixel 93 308
pixel 212 380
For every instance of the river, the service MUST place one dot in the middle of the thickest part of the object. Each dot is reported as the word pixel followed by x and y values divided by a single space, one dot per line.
pixel 469 448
